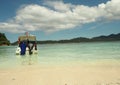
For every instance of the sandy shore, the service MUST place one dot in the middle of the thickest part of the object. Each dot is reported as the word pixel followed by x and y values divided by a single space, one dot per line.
pixel 61 75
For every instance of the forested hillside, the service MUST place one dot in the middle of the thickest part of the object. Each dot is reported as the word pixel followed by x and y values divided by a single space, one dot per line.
pixel 4 40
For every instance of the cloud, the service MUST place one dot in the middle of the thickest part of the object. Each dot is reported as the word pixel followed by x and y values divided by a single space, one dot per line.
pixel 57 15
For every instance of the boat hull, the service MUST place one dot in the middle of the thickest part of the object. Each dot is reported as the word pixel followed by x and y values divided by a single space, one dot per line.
pixel 27 52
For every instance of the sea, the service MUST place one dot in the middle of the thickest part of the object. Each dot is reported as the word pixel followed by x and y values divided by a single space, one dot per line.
pixel 102 53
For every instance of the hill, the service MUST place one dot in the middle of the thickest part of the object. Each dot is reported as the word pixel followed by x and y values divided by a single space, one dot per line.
pixel 4 40
pixel 112 37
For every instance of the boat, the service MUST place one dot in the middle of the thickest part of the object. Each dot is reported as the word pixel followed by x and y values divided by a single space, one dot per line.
pixel 27 45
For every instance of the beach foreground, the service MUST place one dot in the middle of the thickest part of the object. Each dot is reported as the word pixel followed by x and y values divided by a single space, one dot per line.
pixel 61 75
pixel 62 64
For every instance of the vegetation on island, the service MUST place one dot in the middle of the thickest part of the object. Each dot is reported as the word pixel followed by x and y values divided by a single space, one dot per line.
pixel 4 40
pixel 112 37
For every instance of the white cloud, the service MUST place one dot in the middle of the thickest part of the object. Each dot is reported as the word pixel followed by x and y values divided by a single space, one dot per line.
pixel 59 6
pixel 113 10
pixel 59 16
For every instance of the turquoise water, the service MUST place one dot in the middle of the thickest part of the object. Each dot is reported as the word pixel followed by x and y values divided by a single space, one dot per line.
pixel 60 54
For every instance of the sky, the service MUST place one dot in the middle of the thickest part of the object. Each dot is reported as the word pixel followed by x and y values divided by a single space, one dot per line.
pixel 59 19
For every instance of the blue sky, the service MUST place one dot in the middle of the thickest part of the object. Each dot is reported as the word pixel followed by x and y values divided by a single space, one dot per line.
pixel 59 19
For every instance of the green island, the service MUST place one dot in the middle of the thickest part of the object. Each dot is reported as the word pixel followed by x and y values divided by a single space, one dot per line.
pixel 3 40
pixel 111 37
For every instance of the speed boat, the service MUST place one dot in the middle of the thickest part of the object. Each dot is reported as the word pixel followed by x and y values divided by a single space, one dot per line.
pixel 27 45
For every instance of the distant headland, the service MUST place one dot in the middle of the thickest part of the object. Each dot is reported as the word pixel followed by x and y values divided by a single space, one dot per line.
pixel 3 40
pixel 111 37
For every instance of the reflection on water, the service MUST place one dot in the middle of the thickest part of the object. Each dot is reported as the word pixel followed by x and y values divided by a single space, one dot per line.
pixel 27 59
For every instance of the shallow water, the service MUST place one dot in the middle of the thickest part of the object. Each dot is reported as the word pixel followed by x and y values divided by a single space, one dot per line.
pixel 61 54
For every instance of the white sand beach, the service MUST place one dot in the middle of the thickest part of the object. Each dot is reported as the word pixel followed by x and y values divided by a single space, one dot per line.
pixel 61 75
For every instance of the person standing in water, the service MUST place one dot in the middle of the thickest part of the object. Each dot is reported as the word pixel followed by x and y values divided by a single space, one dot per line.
pixel 23 48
